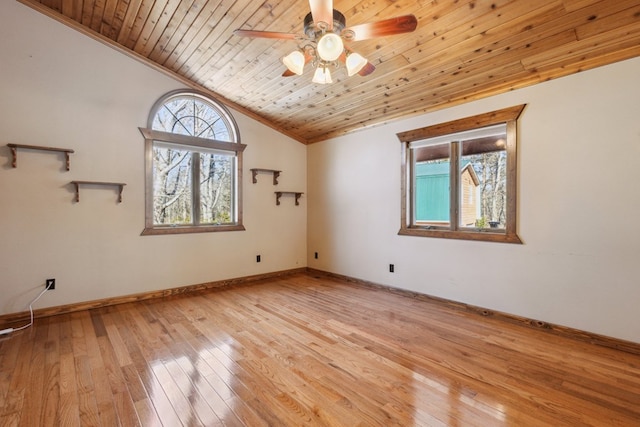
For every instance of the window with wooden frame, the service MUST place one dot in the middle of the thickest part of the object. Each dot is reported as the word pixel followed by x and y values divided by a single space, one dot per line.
pixel 193 166
pixel 459 179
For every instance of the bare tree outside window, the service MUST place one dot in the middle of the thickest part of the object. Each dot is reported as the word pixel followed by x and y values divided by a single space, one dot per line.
pixel 490 170
pixel 172 198
pixel 216 188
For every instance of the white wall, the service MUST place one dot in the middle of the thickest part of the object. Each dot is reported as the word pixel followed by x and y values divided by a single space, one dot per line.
pixel 62 89
pixel 579 145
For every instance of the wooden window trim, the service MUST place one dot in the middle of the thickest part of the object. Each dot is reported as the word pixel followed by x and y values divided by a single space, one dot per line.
pixel 508 116
pixel 150 228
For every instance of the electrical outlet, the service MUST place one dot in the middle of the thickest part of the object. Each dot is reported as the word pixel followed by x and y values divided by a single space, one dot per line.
pixel 50 284
pixel 315 255
pixel 391 268
pixel 257 258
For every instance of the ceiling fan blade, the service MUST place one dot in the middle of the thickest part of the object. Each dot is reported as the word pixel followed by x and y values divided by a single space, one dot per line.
pixel 266 34
pixel 386 27
pixel 367 69
pixel 322 11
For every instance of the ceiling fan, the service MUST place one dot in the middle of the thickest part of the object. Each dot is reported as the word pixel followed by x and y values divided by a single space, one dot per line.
pixel 323 40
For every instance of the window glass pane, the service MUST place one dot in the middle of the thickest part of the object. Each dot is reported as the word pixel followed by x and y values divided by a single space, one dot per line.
pixel 188 115
pixel 483 182
pixel 216 188
pixel 171 186
pixel 432 185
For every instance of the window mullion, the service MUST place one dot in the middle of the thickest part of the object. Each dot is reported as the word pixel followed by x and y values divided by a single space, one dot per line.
pixel 454 183
pixel 195 187
pixel 236 184
pixel 512 178
pixel 410 182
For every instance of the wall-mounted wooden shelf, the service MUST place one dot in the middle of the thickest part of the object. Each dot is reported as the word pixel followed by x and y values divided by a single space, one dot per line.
pixel 77 184
pixel 14 152
pixel 275 173
pixel 295 193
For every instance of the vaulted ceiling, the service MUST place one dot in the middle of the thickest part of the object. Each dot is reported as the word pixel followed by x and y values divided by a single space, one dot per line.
pixel 461 50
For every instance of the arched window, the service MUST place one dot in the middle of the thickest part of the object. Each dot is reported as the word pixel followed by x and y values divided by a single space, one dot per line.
pixel 193 166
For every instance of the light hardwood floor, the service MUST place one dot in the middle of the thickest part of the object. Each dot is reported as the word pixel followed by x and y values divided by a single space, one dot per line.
pixel 304 350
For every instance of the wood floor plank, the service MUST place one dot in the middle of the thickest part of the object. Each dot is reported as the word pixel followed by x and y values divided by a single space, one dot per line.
pixel 8 360
pixel 32 409
pixel 307 350
pixel 202 377
pixel 69 402
pixel 147 413
pixel 98 367
pixel 50 416
pixel 17 377
pixel 86 396
pixel 137 329
pixel 244 413
pixel 122 401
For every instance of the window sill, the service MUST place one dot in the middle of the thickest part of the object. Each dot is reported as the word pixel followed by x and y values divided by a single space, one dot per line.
pixel 187 229
pixel 485 236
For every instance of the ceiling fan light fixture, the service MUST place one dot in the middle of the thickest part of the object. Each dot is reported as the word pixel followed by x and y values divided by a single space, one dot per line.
pixel 322 76
pixel 325 32
pixel 294 62
pixel 354 63
pixel 330 47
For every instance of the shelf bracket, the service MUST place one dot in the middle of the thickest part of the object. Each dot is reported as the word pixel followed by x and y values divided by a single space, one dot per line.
pixel 254 174
pixel 295 193
pixel 14 152
pixel 119 185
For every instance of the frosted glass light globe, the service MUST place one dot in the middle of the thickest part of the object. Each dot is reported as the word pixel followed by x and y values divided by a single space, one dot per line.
pixel 330 47
pixel 355 62
pixel 294 62
pixel 322 76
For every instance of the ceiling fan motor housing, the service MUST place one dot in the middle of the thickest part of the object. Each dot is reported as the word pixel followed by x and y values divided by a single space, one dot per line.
pixel 339 22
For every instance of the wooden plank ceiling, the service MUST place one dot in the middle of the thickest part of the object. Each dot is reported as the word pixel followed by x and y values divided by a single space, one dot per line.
pixel 462 50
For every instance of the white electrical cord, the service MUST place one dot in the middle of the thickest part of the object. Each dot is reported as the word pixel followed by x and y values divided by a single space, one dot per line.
pixel 9 330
